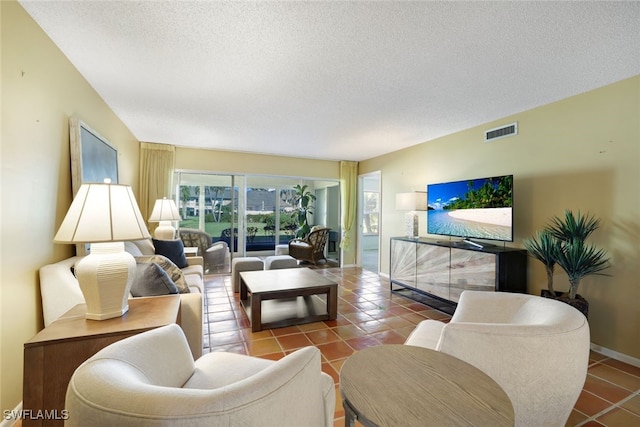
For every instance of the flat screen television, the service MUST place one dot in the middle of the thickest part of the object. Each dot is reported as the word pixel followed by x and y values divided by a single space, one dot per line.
pixel 473 209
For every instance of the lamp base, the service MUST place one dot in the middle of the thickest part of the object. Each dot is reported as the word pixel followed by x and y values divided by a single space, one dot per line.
pixel 165 231
pixel 411 225
pixel 105 277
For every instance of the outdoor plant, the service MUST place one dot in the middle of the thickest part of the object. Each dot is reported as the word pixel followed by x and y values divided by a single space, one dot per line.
pixel 300 215
pixel 563 242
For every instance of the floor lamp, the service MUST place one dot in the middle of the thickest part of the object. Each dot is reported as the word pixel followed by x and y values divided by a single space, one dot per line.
pixel 104 215
pixel 164 211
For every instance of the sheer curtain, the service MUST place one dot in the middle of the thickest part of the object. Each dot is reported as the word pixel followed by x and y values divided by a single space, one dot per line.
pixel 349 197
pixel 156 173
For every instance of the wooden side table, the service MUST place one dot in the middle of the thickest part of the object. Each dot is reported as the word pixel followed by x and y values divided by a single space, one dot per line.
pixel 403 385
pixel 52 355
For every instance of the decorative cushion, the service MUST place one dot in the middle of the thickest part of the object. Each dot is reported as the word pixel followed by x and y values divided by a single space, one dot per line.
pixel 172 270
pixel 151 280
pixel 172 249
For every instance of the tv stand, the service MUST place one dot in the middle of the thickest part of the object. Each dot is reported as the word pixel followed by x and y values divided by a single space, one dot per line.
pixel 443 270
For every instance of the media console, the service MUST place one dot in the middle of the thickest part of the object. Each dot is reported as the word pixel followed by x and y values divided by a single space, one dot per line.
pixel 436 272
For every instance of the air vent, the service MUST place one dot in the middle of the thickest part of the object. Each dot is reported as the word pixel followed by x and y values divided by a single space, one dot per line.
pixel 501 132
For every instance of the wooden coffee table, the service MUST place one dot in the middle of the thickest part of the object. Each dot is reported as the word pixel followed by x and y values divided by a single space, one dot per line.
pixel 403 385
pixel 289 296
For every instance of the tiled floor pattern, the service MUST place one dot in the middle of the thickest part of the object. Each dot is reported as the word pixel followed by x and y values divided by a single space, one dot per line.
pixel 370 315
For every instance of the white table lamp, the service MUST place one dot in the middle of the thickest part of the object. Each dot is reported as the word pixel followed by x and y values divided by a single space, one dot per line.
pixel 104 215
pixel 164 211
pixel 412 202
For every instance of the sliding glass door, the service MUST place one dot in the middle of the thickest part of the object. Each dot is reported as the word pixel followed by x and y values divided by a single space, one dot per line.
pixel 209 202
pixel 252 213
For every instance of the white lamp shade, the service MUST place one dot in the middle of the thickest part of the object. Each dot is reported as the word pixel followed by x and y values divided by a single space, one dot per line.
pixel 413 201
pixel 102 213
pixel 164 210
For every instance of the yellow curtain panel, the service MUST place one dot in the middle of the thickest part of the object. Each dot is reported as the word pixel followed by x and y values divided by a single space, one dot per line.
pixel 156 174
pixel 349 197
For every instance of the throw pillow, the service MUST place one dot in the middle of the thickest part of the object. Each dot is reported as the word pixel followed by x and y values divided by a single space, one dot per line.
pixel 172 249
pixel 174 273
pixel 151 280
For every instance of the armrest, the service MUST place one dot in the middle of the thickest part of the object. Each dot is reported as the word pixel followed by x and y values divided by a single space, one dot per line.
pixel 191 308
pixel 488 307
pixel 195 260
pixel 216 246
pixel 59 289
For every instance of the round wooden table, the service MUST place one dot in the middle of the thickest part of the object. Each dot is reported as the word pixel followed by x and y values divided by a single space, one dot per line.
pixel 403 385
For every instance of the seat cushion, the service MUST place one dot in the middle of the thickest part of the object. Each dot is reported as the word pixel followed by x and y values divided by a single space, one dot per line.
pixel 195 270
pixel 299 244
pixel 218 369
pixel 194 283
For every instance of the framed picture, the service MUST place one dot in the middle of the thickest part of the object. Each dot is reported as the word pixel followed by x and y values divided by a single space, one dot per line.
pixel 93 158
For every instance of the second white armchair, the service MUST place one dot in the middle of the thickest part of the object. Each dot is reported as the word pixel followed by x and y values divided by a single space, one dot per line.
pixel 536 349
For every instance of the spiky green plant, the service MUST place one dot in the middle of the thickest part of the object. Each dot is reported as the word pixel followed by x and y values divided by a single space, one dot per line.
pixel 573 228
pixel 545 248
pixel 578 260
pixel 562 242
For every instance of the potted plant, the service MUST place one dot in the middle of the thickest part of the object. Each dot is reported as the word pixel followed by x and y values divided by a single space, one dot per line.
pixel 303 199
pixel 563 242
pixel 544 247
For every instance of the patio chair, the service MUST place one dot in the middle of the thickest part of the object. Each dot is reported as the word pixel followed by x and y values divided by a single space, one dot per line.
pixel 214 254
pixel 311 248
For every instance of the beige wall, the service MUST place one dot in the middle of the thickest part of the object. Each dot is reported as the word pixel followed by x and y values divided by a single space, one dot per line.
pixel 581 153
pixel 260 164
pixel 40 91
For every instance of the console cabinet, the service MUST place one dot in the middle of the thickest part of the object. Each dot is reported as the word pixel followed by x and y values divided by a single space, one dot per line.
pixel 445 269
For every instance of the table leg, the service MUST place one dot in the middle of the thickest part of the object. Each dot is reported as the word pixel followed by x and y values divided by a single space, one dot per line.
pixel 332 302
pixel 349 415
pixel 243 290
pixel 256 312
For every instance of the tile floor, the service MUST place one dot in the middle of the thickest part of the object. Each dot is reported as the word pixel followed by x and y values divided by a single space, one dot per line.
pixel 369 315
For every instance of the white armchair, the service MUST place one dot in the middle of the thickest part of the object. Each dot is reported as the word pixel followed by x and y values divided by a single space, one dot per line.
pixel 151 379
pixel 536 349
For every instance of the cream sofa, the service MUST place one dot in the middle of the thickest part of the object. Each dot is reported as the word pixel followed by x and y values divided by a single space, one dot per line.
pixel 536 349
pixel 60 292
pixel 151 379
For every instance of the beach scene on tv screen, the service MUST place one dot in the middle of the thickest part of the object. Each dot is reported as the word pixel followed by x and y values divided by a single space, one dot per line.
pixel 477 208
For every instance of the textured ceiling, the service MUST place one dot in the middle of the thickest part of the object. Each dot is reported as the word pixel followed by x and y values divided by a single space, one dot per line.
pixel 335 80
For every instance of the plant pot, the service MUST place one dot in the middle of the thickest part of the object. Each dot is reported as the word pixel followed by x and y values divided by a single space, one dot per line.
pixel 579 303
